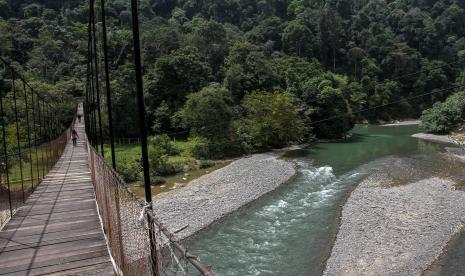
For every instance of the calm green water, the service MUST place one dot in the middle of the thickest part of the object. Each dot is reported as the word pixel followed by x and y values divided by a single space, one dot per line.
pixel 290 232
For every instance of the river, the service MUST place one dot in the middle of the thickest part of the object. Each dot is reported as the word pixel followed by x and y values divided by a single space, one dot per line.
pixel 291 231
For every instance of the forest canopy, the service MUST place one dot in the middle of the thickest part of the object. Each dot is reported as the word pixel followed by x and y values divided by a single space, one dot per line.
pixel 268 72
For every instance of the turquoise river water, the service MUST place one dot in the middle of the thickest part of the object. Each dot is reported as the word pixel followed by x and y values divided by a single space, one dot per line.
pixel 291 230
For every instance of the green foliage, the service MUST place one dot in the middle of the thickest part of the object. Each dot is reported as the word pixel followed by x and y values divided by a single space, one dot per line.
pixel 199 147
pixel 130 170
pixel 334 57
pixel 204 164
pixel 443 117
pixel 326 105
pixel 176 75
pixel 248 70
pixel 159 39
pixel 160 150
pixel 163 144
pixel 267 32
pixel 271 120
pixel 298 39
pixel 207 113
pixel 161 165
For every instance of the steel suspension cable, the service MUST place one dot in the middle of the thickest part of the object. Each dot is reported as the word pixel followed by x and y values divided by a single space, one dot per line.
pixel 97 80
pixel 143 131
pixel 90 77
pixel 107 83
pixel 93 105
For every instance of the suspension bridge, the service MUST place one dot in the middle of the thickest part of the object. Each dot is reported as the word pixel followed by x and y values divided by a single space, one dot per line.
pixel 63 209
pixel 80 218
pixel 58 229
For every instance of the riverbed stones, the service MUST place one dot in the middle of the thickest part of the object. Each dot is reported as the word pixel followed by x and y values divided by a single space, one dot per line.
pixel 397 230
pixel 458 153
pixel 434 137
pixel 215 195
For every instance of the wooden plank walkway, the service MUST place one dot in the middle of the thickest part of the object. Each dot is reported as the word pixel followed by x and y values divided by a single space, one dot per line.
pixel 58 230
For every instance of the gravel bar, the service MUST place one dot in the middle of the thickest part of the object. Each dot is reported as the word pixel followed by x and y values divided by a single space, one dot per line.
pixel 456 152
pixel 215 195
pixel 396 231
pixel 434 138
pixel 403 123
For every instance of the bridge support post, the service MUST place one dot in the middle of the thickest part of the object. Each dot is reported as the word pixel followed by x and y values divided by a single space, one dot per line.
pixel 18 138
pixel 107 83
pixel 29 135
pixel 5 163
pixel 143 134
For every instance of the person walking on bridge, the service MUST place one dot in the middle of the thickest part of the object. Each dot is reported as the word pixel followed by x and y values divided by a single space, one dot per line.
pixel 74 137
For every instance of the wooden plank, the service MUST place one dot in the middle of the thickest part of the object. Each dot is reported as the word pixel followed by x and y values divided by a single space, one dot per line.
pixel 84 230
pixel 92 266
pixel 100 269
pixel 37 241
pixel 58 231
pixel 64 217
pixel 49 252
pixel 68 262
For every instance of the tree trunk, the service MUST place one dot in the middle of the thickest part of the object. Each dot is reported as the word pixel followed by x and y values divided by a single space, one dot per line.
pixel 334 59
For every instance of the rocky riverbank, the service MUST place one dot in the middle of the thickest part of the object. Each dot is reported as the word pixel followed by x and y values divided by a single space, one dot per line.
pixel 397 230
pixel 222 192
pixel 456 138
pixel 458 153
pixel 402 123
pixel 434 138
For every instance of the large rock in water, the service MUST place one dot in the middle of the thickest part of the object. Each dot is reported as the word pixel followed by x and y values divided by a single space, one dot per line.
pixel 396 231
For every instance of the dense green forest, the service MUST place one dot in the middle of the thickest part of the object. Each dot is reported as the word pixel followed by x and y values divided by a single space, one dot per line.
pixel 239 76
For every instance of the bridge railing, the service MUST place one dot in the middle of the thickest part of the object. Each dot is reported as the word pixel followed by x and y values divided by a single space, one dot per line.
pixel 32 139
pixel 128 226
pixel 138 243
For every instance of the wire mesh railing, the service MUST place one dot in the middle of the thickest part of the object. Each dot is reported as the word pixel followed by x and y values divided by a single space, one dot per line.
pixel 32 140
pixel 138 243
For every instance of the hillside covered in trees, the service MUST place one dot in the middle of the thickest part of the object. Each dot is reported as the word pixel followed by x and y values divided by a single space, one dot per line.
pixel 247 75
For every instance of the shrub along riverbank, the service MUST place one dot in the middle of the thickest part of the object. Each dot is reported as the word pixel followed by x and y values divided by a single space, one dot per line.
pixel 445 116
pixel 168 158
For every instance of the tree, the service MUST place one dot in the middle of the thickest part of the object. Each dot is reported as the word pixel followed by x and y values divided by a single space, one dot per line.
pixel 4 8
pixel 47 55
pixel 267 31
pixel 443 117
pixel 298 39
pixel 355 57
pixel 327 105
pixel 175 76
pixel 159 39
pixel 453 19
pixel 296 71
pixel 331 36
pixel 271 120
pixel 207 113
pixel 5 39
pixel 248 70
pixel 210 38
pixel 433 77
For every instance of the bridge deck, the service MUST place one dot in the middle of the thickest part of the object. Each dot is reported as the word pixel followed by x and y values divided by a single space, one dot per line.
pixel 58 230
